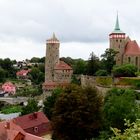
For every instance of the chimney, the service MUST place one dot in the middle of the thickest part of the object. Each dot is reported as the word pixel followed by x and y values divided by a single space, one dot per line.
pixel 7 125
pixel 35 115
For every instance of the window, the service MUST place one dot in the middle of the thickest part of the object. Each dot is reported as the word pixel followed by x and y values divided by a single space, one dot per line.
pixel 136 62
pixel 120 40
pixel 36 129
pixel 116 40
pixel 129 59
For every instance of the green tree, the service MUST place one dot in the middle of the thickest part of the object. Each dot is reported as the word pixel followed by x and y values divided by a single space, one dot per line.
pixel 35 60
pixel 120 104
pixel 50 102
pixel 126 70
pixel 77 114
pixel 30 108
pixel 132 132
pixel 93 64
pixel 2 75
pixel 36 75
pixel 79 66
pixel 108 59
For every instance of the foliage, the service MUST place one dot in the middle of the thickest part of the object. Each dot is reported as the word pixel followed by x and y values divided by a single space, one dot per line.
pixel 126 70
pixel 31 91
pixel 104 81
pixel 108 59
pixel 79 66
pixel 11 109
pixel 75 80
pixel 36 76
pixel 50 101
pixel 93 64
pixel 77 114
pixel 132 81
pixel 101 73
pixel 31 107
pixel 132 132
pixel 2 75
pixel 120 104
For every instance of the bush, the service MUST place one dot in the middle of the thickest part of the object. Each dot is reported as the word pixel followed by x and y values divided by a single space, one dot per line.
pixel 127 70
pixel 104 81
pixel 101 73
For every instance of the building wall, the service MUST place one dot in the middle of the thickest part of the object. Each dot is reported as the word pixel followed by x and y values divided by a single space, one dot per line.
pixel 63 75
pixel 118 44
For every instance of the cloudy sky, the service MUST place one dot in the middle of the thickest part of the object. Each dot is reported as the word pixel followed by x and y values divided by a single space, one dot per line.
pixel 82 26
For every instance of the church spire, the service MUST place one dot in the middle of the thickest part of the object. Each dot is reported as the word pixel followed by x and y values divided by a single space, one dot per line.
pixel 117 27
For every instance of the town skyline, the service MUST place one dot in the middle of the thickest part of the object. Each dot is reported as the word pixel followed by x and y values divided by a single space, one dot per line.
pixel 84 28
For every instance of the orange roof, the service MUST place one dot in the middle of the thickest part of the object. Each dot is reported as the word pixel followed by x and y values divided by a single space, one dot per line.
pixel 62 66
pixel 132 48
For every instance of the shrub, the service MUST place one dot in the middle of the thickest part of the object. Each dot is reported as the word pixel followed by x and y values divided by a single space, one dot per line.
pixel 101 73
pixel 104 81
pixel 127 70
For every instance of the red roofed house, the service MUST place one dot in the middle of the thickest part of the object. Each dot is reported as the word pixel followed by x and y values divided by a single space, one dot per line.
pixel 22 74
pixel 35 123
pixel 57 73
pixel 8 87
pixel 128 50
pixel 9 130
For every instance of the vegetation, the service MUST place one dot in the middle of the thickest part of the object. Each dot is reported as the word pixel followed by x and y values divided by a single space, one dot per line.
pixel 31 107
pixel 104 81
pixel 120 104
pixel 108 59
pixel 93 64
pixel 77 114
pixel 50 102
pixel 126 70
pixel 11 109
pixel 132 132
pixel 101 73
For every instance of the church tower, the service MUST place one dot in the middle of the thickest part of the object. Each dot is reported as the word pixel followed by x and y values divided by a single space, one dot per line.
pixel 117 42
pixel 52 57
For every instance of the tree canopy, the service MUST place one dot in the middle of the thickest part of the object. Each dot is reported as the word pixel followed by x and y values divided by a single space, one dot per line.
pixel 77 114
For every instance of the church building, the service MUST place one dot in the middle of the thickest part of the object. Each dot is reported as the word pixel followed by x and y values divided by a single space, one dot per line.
pixel 128 50
pixel 57 72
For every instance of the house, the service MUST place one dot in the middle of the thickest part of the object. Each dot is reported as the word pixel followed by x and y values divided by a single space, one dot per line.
pixel 9 88
pixel 128 50
pixel 23 74
pixel 35 123
pixel 9 130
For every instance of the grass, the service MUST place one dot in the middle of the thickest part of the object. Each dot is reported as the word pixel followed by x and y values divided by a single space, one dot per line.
pixel 11 109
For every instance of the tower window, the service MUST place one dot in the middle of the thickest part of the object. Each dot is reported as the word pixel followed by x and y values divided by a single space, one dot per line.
pixel 120 40
pixel 116 40
pixel 136 61
pixel 129 59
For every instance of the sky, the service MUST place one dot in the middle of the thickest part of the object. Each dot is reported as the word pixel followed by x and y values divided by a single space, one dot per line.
pixel 82 26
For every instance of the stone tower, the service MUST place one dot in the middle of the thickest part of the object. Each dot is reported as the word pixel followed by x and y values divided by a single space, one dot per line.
pixel 117 42
pixel 52 57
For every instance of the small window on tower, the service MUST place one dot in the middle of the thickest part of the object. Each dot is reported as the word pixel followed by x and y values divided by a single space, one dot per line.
pixel 120 40
pixel 116 40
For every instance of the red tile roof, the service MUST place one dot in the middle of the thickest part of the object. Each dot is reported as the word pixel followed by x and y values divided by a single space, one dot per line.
pixel 9 130
pixel 22 72
pixel 62 66
pixel 31 120
pixel 132 48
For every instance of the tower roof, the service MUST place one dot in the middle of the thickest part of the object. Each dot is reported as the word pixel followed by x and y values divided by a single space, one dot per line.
pixel 53 39
pixel 117 27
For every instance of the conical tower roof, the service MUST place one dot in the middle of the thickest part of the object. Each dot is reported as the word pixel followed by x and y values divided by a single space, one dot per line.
pixel 117 27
